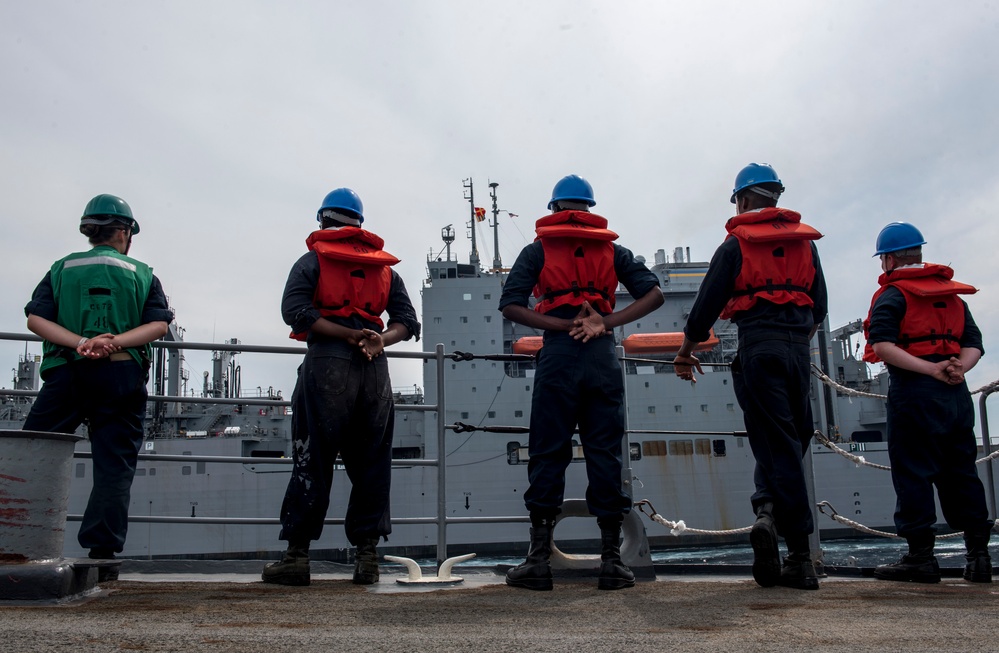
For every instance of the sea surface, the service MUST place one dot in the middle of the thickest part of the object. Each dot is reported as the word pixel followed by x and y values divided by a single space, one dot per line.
pixel 847 552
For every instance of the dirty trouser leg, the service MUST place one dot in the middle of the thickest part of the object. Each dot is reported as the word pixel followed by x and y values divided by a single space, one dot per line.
pixel 323 399
pixel 366 448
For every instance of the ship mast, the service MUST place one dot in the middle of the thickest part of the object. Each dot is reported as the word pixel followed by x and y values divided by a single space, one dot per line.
pixel 497 262
pixel 473 258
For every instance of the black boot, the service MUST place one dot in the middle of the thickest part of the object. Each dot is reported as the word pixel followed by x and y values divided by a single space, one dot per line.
pixel 979 566
pixel 106 572
pixel 366 562
pixel 614 574
pixel 917 566
pixel 292 569
pixel 766 556
pixel 535 573
pixel 798 572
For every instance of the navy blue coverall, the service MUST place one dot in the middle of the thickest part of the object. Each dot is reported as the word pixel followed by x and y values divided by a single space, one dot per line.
pixel 575 383
pixel 770 375
pixel 931 437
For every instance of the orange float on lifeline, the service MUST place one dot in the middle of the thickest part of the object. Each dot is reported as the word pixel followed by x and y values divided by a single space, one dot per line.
pixel 637 343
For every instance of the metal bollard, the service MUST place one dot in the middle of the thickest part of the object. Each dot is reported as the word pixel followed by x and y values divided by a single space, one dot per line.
pixel 35 472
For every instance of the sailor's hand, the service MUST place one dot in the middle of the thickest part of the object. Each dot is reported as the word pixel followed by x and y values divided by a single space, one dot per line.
pixel 940 372
pixel 371 344
pixel 588 324
pixel 98 346
pixel 685 365
pixel 954 370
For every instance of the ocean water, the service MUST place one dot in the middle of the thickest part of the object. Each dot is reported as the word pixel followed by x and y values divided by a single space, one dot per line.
pixel 847 552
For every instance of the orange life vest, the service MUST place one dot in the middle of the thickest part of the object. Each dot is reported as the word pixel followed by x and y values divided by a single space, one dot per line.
pixel 776 259
pixel 354 274
pixel 579 262
pixel 934 316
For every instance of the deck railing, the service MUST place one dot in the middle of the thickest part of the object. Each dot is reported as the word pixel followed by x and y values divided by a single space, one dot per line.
pixel 441 519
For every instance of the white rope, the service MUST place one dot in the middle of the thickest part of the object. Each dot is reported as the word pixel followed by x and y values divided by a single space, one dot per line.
pixel 678 528
pixel 860 460
pixel 822 376
pixel 822 505
pixel 855 459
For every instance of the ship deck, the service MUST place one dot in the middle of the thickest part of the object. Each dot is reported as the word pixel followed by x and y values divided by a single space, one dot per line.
pixel 223 611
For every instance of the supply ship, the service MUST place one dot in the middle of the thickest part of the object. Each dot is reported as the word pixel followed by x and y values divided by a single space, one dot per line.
pixel 687 450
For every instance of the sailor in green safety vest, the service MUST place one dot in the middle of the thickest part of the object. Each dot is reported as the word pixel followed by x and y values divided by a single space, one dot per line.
pixel 97 312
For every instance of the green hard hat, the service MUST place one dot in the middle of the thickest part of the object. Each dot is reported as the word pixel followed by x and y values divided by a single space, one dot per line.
pixel 105 209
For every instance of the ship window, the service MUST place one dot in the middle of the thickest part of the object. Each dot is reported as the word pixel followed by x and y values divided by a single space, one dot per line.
pixel 185 470
pixel 635 451
pixel 437 320
pixel 719 447
pixel 81 470
pixel 654 447
pixel 492 342
pixel 152 471
pixel 473 388
pixel 730 408
pixel 454 366
pixel 473 343
pixel 702 446
pixel 201 468
pixel 704 408
pixel 527 387
pixel 489 318
pixel 646 384
pixel 473 366
pixel 463 319
pixel 467 297
pixel 518 413
pixel 491 414
pixel 140 472
pixel 487 296
pixel 681 447
pixel 652 410
pixel 405 453
pixel 677 409
pixel 464 416
pixel 452 343
pixel 724 381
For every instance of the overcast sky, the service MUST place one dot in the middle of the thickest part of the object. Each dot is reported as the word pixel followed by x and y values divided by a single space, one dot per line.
pixel 224 124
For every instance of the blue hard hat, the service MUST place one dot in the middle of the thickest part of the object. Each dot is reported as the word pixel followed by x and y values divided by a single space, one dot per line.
pixel 755 174
pixel 898 236
pixel 343 200
pixel 573 188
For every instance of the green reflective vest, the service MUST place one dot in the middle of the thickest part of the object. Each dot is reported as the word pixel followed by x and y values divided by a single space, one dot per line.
pixel 100 291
